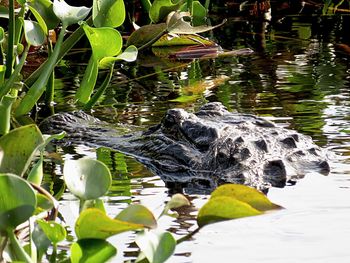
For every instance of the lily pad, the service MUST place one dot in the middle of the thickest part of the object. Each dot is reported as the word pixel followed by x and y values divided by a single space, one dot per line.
pixel 17 201
pixel 87 178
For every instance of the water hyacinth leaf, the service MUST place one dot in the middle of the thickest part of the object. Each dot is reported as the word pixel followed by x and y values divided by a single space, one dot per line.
pixel 41 242
pixel 95 224
pixel 224 208
pixel 108 13
pixel 156 247
pixel 198 12
pixel 34 34
pixel 129 55
pixel 147 34
pixel 138 214
pixel 161 8
pixel 43 203
pixel 17 201
pixel 92 251
pixel 98 37
pixel 49 137
pixel 18 147
pixel 36 173
pixel 177 25
pixel 245 194
pixel 39 18
pixel 170 40
pixel 54 231
pixel 177 201
pixel 89 80
pixel 45 9
pixel 87 178
pixel 69 15
pixel 5 111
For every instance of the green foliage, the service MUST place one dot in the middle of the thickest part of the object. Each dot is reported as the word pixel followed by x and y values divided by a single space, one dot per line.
pixel 17 203
pixel 161 8
pixel 108 13
pixel 54 231
pixel 92 251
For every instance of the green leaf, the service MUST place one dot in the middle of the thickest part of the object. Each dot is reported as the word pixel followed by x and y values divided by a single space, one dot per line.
pixel 98 37
pixel 41 242
pixel 92 251
pixel 43 203
pixel 36 173
pixel 176 201
pixel 245 194
pixel 129 55
pixel 69 15
pixel 5 113
pixel 17 149
pixel 87 178
pixel 108 13
pixel 17 201
pixel 161 8
pixel 54 231
pixel 147 34
pixel 157 247
pixel 2 35
pixel 44 9
pixel 177 25
pixel 93 223
pixel 171 40
pixel 224 208
pixel 137 214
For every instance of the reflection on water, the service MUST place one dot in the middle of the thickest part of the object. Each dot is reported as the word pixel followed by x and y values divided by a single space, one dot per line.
pixel 299 79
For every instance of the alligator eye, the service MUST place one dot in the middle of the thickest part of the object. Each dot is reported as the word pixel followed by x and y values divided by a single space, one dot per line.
pixel 168 121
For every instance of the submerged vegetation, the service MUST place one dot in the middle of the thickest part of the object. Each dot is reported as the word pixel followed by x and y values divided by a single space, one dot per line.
pixel 29 224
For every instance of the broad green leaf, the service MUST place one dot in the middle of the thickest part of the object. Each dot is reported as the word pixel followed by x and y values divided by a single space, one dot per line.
pixel 17 201
pixel 104 41
pixel 49 137
pixel 89 81
pixel 157 247
pixel 95 224
pixel 138 214
pixel 43 203
pixel 108 13
pixel 170 40
pixel 54 231
pixel 69 15
pixel 245 194
pixel 92 251
pixel 18 147
pixel 41 242
pixel 129 55
pixel 161 8
pixel 224 208
pixel 177 25
pixel 147 34
pixel 40 20
pixel 87 178
pixel 177 201
pixel 198 12
pixel 45 9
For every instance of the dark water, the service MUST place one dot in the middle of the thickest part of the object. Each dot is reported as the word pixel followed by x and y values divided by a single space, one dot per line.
pixel 298 77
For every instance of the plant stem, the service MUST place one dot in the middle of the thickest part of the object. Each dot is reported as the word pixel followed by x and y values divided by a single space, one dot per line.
pixel 149 43
pixel 9 83
pixel 50 89
pixel 100 91
pixel 188 236
pixel 38 87
pixel 10 40
pixel 17 248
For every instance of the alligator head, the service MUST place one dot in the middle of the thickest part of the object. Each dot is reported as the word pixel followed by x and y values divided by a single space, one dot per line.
pixel 208 148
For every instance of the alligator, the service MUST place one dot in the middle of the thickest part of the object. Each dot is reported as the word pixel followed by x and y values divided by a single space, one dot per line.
pixel 205 149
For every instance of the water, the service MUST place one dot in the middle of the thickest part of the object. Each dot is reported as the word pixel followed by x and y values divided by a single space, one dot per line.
pixel 299 78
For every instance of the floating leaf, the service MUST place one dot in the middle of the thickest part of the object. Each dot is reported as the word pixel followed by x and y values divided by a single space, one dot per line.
pixel 18 147
pixel 54 231
pixel 93 223
pixel 161 8
pixel 92 251
pixel 137 214
pixel 87 178
pixel 224 208
pixel 69 14
pixel 108 13
pixel 157 247
pixel 170 40
pixel 245 194
pixel 177 25
pixel 17 201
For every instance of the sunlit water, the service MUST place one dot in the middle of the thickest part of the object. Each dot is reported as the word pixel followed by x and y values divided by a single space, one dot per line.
pixel 297 78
